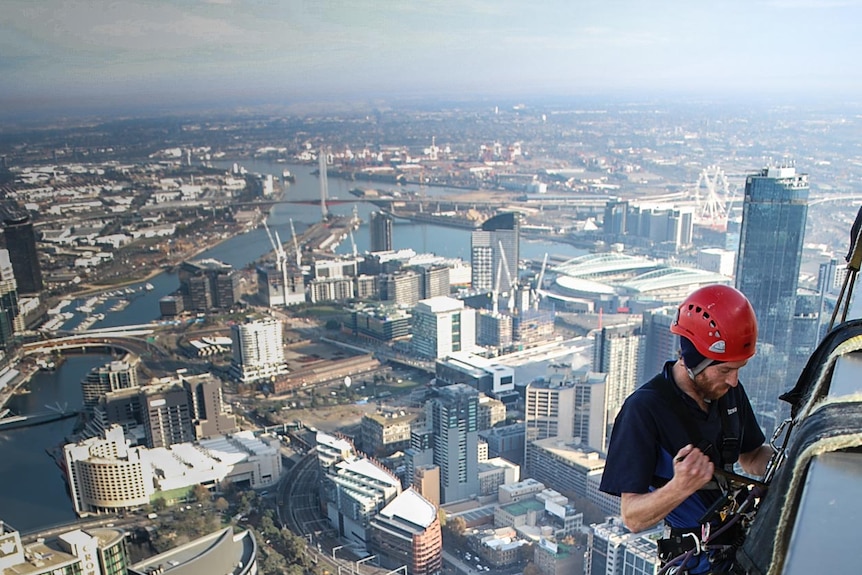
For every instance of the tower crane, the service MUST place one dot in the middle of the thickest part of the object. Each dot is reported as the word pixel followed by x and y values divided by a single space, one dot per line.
pixel 511 304
pixel 495 293
pixel 280 260
pixel 296 245
pixel 353 244
pixel 540 279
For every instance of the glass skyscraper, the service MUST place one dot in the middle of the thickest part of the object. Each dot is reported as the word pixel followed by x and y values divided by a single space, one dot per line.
pixel 774 212
pixel 20 238
pixel 380 225
pixel 453 415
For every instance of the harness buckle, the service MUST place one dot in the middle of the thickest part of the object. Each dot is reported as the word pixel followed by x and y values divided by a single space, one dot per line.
pixel 697 547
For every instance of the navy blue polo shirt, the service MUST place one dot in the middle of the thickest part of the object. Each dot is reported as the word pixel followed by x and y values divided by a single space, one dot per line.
pixel 648 433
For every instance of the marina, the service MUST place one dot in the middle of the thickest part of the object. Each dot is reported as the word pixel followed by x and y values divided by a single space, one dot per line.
pixel 82 314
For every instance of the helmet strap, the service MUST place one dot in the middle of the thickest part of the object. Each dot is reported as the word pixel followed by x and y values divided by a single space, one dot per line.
pixel 693 371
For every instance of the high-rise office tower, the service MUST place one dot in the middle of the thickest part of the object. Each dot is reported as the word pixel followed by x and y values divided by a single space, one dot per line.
pixel 616 213
pixel 569 406
pixel 21 242
pixel 442 325
pixel 380 225
pixel 167 415
pixel 549 409
pixel 9 310
pixel 496 243
pixel 435 280
pixel 401 288
pixel 257 350
pixel 207 284
pixel 453 416
pixel 210 413
pixel 618 352
pixel 660 345
pixel 774 212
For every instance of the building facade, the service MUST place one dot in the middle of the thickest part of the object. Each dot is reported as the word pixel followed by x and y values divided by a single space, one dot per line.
pixel 407 533
pixel 257 350
pixel 660 345
pixel 113 376
pixel 167 415
pixel 208 284
pixel 383 433
pixel 9 310
pixel 380 227
pixel 496 244
pixel 441 326
pixel 618 352
pixel 453 415
pixel 353 489
pixel 210 414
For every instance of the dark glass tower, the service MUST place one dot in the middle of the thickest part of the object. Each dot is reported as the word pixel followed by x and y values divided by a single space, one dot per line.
pixel 8 301
pixel 21 242
pixel 381 232
pixel 774 212
pixel 496 243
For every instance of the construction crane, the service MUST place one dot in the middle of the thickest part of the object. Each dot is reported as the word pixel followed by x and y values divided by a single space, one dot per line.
pixel 296 245
pixel 280 261
pixel 511 304
pixel 540 279
pixel 353 244
pixel 496 291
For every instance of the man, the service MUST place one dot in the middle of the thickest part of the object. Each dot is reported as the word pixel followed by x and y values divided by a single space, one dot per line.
pixel 672 432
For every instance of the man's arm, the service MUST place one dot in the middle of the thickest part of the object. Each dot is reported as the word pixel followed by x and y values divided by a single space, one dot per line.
pixel 754 462
pixel 691 471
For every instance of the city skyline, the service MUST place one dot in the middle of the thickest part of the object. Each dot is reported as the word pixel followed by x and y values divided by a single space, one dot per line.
pixel 63 57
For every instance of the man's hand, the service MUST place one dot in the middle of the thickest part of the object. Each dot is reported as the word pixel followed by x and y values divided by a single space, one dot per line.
pixel 692 469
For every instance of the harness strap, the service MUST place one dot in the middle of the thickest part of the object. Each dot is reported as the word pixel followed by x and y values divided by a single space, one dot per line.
pixel 730 425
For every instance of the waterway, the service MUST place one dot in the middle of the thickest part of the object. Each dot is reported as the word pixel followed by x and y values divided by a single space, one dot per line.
pixel 33 492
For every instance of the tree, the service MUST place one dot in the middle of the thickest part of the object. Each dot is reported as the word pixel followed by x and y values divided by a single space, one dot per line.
pixel 200 493
pixel 159 504
pixel 221 504
pixel 274 564
pixel 456 525
pixel 531 569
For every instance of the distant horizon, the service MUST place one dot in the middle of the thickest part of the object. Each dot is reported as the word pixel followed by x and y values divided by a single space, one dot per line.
pixel 106 109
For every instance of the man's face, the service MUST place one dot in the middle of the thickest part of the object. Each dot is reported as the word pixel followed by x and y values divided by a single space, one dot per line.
pixel 714 381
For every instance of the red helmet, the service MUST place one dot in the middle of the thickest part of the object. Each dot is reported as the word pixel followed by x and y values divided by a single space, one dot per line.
pixel 719 321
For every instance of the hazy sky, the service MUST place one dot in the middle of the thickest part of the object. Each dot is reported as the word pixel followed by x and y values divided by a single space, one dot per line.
pixel 59 52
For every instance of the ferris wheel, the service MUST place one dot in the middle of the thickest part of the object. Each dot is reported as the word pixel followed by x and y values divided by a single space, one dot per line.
pixel 712 195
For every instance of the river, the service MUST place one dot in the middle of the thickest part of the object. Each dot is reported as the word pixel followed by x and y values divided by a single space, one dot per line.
pixel 33 492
